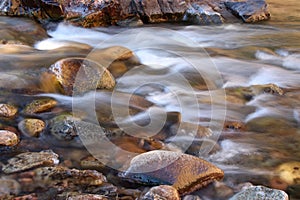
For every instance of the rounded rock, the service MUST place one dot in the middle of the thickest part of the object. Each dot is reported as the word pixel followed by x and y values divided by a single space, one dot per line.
pixel 31 127
pixel 7 110
pixel 184 172
pixel 162 192
pixel 8 138
pixel 289 172
pixel 40 105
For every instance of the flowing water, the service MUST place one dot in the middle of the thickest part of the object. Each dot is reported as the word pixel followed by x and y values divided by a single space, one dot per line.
pixel 188 69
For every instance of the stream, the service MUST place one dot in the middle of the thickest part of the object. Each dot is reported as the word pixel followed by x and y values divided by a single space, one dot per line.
pixel 240 81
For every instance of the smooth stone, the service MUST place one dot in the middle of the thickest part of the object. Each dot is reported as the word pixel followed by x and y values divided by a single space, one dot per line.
pixel 39 106
pixel 202 15
pixel 162 192
pixel 32 127
pixel 29 160
pixel 8 138
pixel 7 110
pixel 289 172
pixel 184 172
pixel 8 187
pixel 260 193
pixel 77 76
pixel 249 10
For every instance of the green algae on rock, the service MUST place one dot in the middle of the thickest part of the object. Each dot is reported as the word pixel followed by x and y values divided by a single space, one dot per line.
pixel 184 172
pixel 39 106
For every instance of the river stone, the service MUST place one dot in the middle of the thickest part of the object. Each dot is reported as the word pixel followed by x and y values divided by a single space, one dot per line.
pixel 29 160
pixel 260 193
pixel 289 172
pixel 162 192
pixel 31 127
pixel 249 10
pixel 202 15
pixel 184 172
pixel 8 187
pixel 39 106
pixel 77 76
pixel 8 138
pixel 7 110
pixel 87 197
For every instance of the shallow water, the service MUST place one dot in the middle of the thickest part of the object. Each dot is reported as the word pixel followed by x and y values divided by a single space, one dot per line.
pixel 188 70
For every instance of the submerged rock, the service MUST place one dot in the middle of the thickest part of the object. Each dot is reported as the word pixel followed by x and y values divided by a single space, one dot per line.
pixel 184 172
pixel 162 192
pixel 31 127
pixel 29 160
pixel 8 187
pixel 39 105
pixel 249 10
pixel 77 76
pixel 289 172
pixel 260 192
pixel 7 110
pixel 8 138
pixel 87 197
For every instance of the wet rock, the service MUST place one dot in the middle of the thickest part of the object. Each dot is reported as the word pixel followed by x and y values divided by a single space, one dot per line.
pixel 87 197
pixel 8 138
pixel 249 10
pixel 7 110
pixel 29 160
pixel 184 172
pixel 222 191
pixel 191 197
pixel 27 197
pixel 31 127
pixel 39 106
pixel 274 125
pixel 202 15
pixel 260 192
pixel 8 187
pixel 78 75
pixel 62 178
pixel 289 172
pixel 162 192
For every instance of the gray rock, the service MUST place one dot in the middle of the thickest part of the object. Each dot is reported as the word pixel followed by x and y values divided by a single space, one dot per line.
pixel 202 15
pixel 29 160
pixel 260 193
pixel 249 10
pixel 8 187
pixel 162 192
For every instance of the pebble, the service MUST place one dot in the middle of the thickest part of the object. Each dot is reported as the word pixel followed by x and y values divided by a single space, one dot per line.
pixel 260 193
pixel 8 138
pixel 31 127
pixel 184 172
pixel 7 110
pixel 162 192
pixel 29 160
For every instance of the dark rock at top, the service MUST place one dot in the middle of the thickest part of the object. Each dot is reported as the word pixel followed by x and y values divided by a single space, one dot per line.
pixel 134 12
pixel 249 10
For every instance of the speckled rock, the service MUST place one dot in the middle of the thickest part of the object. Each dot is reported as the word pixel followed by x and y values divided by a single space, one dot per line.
pixel 249 10
pixel 77 76
pixel 29 160
pixel 184 172
pixel 289 172
pixel 64 179
pixel 39 105
pixel 8 138
pixel 7 110
pixel 162 192
pixel 260 193
pixel 87 197
pixel 31 127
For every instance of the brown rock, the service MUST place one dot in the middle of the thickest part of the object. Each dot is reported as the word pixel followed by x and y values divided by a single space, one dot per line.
pixel 78 75
pixel 87 197
pixel 31 127
pixel 40 105
pixel 7 110
pixel 186 173
pixel 8 138
pixel 29 160
pixel 162 192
